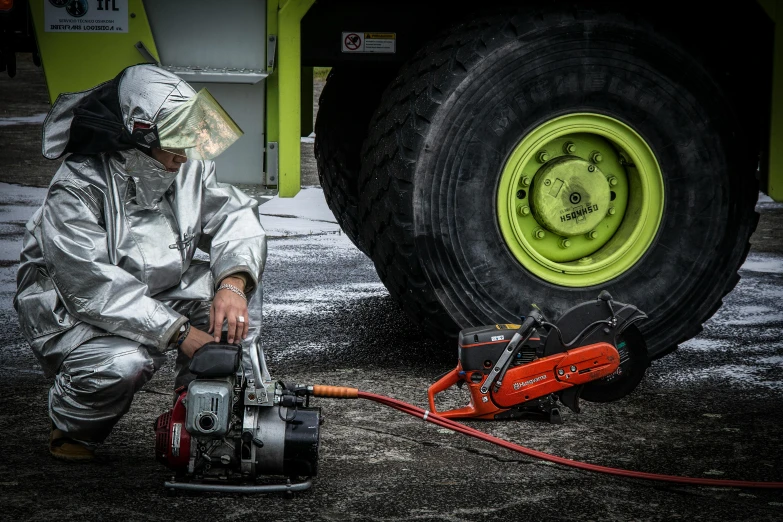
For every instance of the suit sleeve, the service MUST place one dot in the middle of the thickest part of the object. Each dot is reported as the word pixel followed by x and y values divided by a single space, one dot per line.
pixel 238 241
pixel 75 249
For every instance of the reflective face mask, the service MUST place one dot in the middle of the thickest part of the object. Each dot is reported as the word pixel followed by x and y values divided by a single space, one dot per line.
pixel 199 128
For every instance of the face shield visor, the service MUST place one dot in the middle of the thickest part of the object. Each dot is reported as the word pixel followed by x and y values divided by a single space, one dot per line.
pixel 199 128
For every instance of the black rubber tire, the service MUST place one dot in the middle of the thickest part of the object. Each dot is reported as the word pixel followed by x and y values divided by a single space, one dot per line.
pixel 446 125
pixel 345 107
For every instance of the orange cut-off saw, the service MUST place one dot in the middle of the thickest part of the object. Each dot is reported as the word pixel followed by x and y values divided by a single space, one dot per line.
pixel 521 370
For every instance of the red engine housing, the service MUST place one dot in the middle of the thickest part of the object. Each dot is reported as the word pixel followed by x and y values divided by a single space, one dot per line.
pixel 172 440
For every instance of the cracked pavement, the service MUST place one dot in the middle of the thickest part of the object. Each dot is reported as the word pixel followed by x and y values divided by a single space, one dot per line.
pixel 710 409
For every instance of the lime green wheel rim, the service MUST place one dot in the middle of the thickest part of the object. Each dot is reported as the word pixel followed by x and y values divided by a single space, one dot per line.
pixel 580 199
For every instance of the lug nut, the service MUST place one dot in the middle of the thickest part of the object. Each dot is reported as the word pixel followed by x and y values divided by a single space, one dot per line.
pixel 597 157
pixel 524 210
pixel 525 181
pixel 547 182
pixel 539 234
pixel 569 148
pixel 543 156
pixel 565 243
pixel 592 234
pixel 591 168
pixel 612 181
pixel 612 211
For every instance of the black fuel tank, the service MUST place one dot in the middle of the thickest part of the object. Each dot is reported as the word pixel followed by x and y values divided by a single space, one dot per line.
pixel 484 344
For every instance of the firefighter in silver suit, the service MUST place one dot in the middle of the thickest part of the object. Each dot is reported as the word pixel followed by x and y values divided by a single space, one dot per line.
pixel 108 281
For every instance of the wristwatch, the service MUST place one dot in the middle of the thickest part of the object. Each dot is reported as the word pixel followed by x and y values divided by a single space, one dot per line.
pixel 181 334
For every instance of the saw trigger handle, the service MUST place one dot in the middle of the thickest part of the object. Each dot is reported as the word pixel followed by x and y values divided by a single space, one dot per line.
pixel 479 407
pixel 448 380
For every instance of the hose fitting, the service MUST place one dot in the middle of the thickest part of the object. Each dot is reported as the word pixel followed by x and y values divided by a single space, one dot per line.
pixel 335 392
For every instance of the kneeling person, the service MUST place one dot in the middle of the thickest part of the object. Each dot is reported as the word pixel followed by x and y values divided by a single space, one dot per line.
pixel 107 282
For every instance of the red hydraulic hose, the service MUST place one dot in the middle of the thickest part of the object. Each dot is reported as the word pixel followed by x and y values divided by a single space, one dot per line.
pixel 455 426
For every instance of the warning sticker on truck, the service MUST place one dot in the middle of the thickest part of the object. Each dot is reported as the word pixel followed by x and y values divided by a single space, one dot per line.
pixel 362 42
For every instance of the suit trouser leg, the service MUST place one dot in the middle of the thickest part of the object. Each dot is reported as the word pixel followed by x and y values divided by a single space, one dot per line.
pixel 95 385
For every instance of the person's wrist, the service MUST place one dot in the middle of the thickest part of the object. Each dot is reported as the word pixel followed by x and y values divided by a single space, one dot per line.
pixel 236 280
pixel 233 285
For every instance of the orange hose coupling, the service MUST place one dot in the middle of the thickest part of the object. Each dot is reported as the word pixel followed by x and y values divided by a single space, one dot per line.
pixel 335 392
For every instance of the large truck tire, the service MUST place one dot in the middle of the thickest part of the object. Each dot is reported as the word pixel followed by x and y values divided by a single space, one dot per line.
pixel 543 157
pixel 346 104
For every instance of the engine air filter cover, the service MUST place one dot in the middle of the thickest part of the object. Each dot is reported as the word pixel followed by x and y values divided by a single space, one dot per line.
pixel 209 407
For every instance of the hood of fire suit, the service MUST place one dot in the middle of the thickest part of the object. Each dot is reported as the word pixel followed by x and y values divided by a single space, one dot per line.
pixel 102 119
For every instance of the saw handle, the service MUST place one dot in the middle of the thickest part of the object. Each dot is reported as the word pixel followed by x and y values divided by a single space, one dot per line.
pixel 443 384
pixel 533 319
pixel 480 406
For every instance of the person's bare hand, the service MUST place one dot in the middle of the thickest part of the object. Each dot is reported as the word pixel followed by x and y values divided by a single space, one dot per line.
pixel 228 306
pixel 196 339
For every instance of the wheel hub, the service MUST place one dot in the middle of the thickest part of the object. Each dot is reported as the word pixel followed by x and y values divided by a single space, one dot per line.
pixel 570 196
pixel 580 199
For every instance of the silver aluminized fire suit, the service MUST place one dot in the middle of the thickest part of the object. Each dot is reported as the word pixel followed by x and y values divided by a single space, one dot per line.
pixel 107 273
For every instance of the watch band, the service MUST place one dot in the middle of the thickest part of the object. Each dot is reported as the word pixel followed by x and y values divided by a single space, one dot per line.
pixel 183 334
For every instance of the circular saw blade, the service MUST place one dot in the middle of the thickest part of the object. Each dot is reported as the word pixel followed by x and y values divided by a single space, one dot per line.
pixel 633 364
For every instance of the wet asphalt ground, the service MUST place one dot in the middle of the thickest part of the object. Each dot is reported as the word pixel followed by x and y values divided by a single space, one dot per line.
pixel 711 409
